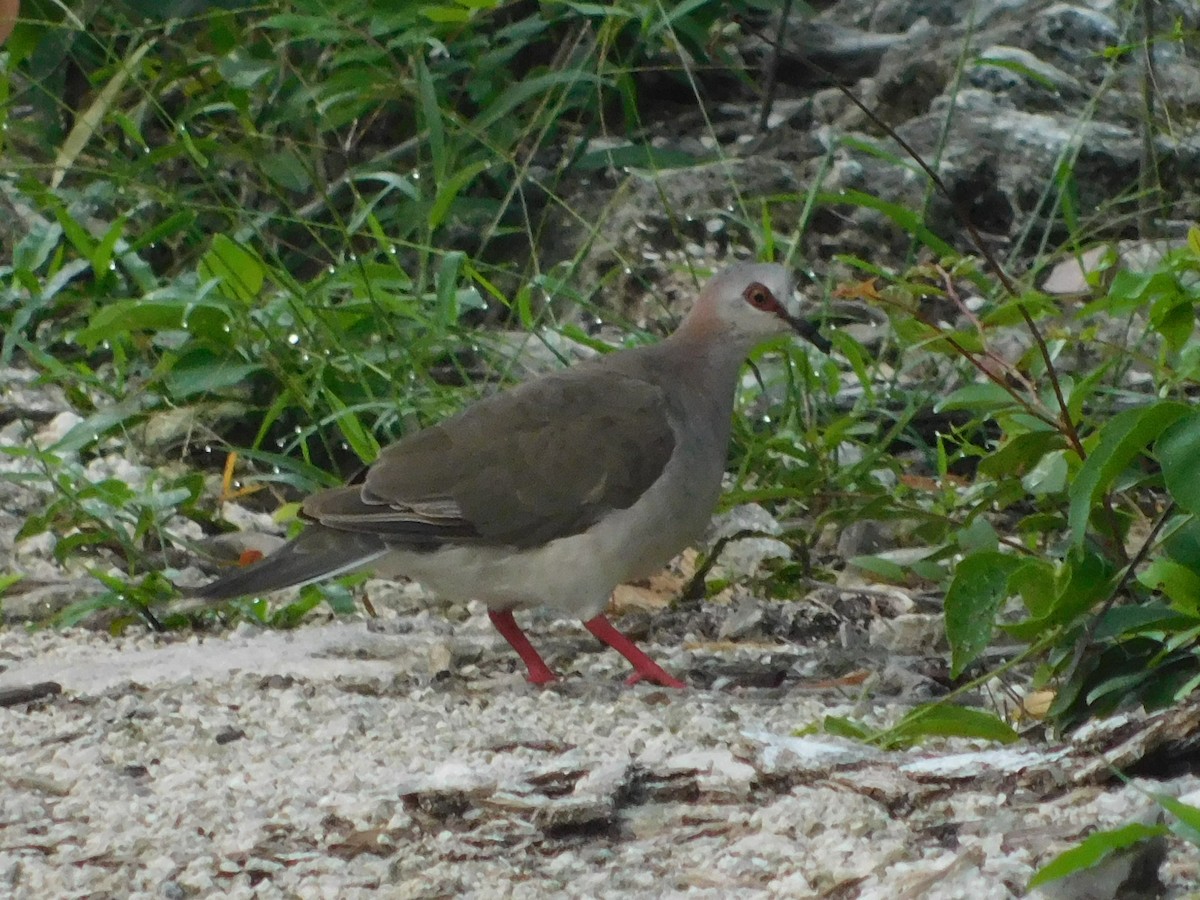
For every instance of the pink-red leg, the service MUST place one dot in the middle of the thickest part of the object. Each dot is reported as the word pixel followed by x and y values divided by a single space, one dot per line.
pixel 539 672
pixel 644 668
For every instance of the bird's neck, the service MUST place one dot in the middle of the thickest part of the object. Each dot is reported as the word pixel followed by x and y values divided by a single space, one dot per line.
pixel 707 355
pixel 705 368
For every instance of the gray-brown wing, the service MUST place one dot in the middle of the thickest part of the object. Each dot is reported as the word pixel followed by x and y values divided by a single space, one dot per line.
pixel 544 460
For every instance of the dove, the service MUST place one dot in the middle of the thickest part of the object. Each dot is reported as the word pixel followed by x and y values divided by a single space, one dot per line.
pixel 554 491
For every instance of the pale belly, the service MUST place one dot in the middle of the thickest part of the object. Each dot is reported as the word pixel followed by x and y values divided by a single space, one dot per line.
pixel 575 575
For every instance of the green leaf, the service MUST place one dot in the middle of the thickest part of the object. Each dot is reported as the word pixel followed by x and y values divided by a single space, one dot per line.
pixel 1093 850
pixel 1089 579
pixel 115 321
pixel 449 189
pixel 361 441
pixel 980 585
pixel 1178 452
pixel 1188 816
pixel 1121 439
pixel 431 115
pixel 8 579
pixel 981 398
pixel 909 221
pixel 529 88
pixel 290 614
pixel 1019 68
pixel 1035 581
pixel 843 727
pixel 1175 323
pixel 1125 621
pixel 201 371
pixel 238 272
pixel 942 720
pixel 1179 583
pixel 1021 454
pixel 102 421
pixel 102 253
pixel 447 287
pixel 1049 476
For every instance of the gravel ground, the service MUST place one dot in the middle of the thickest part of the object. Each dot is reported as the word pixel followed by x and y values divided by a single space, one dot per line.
pixel 398 758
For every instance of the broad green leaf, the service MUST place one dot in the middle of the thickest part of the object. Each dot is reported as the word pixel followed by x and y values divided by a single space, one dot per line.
pixel 1035 582
pixel 287 170
pixel 202 371
pixel 1121 439
pixel 118 319
pixel 1123 621
pixel 1049 476
pixel 978 536
pixel 238 271
pixel 1178 452
pixel 1093 850
pixel 980 585
pixel 1021 453
pixel 985 396
pixel 1089 578
pixel 942 720
pixel 1183 541
pixel 1175 323
pixel 1179 583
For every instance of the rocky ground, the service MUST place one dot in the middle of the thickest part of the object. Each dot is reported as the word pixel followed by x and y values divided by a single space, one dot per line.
pixel 403 757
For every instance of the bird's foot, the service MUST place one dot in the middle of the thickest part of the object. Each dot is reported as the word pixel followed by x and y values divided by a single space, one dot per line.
pixel 644 668
pixel 539 673
pixel 658 676
pixel 541 676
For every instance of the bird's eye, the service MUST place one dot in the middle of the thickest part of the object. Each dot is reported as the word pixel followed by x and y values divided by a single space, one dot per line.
pixel 760 297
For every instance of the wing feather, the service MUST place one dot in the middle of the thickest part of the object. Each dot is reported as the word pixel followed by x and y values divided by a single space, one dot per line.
pixel 546 459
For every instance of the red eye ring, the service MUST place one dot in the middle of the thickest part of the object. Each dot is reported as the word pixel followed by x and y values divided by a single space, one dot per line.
pixel 760 297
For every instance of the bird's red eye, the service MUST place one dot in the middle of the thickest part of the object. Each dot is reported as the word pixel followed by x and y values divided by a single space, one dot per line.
pixel 760 297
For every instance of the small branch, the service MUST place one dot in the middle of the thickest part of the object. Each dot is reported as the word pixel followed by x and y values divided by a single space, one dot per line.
pixel 1089 633
pixel 773 67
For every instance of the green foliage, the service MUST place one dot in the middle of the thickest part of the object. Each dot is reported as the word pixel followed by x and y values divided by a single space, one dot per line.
pixel 1091 484
pixel 1095 849
pixel 925 721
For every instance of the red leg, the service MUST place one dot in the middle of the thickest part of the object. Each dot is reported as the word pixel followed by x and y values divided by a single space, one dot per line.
pixel 643 666
pixel 539 672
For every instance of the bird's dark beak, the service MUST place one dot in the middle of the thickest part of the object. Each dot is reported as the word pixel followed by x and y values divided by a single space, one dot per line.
pixel 808 330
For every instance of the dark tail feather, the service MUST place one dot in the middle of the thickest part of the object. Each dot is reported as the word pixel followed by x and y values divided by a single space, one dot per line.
pixel 316 554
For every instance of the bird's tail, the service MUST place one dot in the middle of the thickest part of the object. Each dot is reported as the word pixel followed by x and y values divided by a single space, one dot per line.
pixel 316 554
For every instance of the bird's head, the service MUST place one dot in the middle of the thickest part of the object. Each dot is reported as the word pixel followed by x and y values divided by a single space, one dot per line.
pixel 747 303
